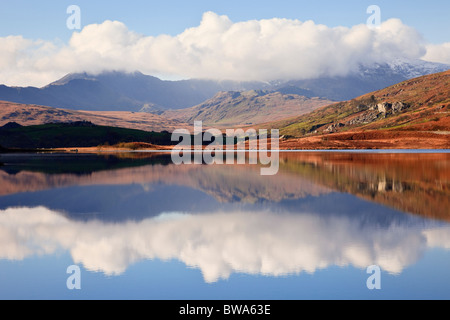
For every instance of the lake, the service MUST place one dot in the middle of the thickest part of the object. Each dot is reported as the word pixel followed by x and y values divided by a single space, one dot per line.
pixel 139 227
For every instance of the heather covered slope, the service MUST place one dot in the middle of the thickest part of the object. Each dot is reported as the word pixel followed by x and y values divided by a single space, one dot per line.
pixel 418 104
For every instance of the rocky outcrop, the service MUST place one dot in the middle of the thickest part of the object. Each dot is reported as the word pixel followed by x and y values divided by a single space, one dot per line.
pixel 333 127
pixel 369 113
pixel 376 111
pixel 364 118
pixel 389 108
pixel 384 107
pixel 399 106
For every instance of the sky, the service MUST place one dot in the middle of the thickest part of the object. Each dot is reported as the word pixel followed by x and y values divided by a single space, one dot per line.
pixel 238 40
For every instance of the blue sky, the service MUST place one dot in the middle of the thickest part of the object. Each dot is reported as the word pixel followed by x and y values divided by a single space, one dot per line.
pixel 234 40
pixel 46 19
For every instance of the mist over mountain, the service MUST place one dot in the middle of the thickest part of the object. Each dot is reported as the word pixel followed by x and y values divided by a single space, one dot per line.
pixel 368 78
pixel 120 91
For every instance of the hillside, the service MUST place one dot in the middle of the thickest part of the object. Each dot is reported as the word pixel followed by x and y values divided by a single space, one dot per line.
pixel 246 108
pixel 420 105
pixel 27 115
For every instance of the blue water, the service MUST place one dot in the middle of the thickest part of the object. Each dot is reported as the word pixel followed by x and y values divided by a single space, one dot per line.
pixel 151 230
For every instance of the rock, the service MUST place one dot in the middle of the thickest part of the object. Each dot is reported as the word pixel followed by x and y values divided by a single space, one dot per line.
pixel 399 106
pixel 362 107
pixel 384 107
pixel 363 118
pixel 333 127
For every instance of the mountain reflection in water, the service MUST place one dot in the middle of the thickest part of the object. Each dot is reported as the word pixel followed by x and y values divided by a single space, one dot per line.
pixel 413 183
pixel 320 210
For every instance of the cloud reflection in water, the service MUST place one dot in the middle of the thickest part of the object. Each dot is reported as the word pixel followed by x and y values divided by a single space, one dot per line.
pixel 220 243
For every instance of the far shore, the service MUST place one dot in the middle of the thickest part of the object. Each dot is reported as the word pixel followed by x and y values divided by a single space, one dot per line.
pixel 358 140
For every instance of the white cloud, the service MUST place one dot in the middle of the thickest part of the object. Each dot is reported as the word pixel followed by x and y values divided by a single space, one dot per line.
pixel 217 48
pixel 438 53
pixel 218 244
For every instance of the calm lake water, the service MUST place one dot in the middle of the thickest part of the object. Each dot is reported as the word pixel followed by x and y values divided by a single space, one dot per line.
pixel 140 227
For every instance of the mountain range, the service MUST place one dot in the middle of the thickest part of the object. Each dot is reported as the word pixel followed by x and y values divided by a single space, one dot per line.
pixel 412 113
pixel 119 91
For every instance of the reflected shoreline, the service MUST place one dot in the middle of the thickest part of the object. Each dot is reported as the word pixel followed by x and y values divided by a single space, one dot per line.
pixel 417 183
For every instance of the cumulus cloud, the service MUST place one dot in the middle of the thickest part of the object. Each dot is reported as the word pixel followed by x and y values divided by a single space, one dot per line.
pixel 219 244
pixel 438 53
pixel 217 49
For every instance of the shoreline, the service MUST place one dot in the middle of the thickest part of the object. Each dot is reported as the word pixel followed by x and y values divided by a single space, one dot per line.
pixel 115 151
pixel 371 140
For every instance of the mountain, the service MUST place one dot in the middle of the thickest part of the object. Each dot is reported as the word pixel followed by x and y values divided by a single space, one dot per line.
pixel 366 79
pixel 246 108
pixel 400 181
pixel 27 115
pixel 411 114
pixel 119 91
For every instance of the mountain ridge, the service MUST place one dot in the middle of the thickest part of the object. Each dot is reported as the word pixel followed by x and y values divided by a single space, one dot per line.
pixel 120 91
pixel 232 108
pixel 26 115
